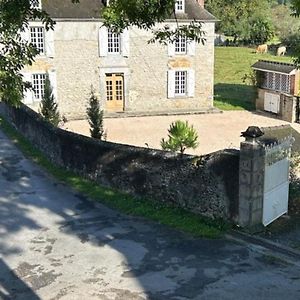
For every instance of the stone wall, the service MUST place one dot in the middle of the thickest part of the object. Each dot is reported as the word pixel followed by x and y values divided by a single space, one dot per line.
pixel 78 66
pixel 207 185
pixel 287 110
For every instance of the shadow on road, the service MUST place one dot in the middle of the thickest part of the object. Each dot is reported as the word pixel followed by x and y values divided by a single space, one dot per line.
pixel 11 286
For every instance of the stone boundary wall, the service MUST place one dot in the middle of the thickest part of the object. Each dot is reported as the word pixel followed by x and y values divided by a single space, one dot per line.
pixel 207 185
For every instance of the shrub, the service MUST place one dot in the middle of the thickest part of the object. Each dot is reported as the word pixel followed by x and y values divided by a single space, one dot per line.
pixel 181 137
pixel 292 41
pixel 261 30
pixel 48 106
pixel 95 116
pixel 294 191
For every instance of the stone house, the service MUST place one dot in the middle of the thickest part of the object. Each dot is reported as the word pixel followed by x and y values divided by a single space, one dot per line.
pixel 278 88
pixel 127 73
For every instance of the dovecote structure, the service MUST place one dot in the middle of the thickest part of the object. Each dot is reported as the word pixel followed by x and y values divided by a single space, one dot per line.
pixel 278 88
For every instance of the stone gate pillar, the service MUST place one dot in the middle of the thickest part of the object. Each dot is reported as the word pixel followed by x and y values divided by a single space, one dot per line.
pixel 251 181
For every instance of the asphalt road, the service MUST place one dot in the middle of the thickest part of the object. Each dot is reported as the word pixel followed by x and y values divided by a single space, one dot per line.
pixel 55 244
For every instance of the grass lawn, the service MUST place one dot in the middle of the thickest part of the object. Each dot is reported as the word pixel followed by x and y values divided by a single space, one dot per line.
pixel 231 64
pixel 174 217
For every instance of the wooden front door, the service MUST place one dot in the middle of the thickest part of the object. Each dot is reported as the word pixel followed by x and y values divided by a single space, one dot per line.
pixel 115 92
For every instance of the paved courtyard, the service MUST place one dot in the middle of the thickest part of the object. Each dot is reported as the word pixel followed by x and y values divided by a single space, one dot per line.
pixel 216 131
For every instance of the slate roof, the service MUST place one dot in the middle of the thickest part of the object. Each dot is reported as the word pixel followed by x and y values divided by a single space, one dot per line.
pixel 273 66
pixel 91 9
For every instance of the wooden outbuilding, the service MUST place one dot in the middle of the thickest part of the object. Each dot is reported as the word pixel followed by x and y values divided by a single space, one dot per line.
pixel 278 89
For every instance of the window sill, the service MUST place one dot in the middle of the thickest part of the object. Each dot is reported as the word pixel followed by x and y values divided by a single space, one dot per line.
pixel 179 97
pixel 181 54
pixel 42 56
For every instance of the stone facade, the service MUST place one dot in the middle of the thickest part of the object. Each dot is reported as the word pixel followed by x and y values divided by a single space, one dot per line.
pixel 77 65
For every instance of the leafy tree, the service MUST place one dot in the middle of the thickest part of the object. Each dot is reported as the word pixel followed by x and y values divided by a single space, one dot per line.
pixel 95 116
pixel 14 52
pixel 296 13
pixel 181 137
pixel 285 25
pixel 120 14
pixel 261 30
pixel 236 16
pixel 48 106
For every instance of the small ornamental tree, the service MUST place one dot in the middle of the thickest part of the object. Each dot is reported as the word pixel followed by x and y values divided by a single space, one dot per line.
pixel 181 137
pixel 95 116
pixel 48 106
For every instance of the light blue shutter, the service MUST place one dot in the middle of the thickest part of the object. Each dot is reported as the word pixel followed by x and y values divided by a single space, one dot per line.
pixel 28 94
pixel 191 47
pixel 171 49
pixel 49 43
pixel 125 43
pixel 191 83
pixel 25 35
pixel 52 78
pixel 103 41
pixel 171 84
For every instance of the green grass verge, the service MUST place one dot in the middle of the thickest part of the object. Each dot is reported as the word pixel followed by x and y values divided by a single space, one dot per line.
pixel 174 217
pixel 231 64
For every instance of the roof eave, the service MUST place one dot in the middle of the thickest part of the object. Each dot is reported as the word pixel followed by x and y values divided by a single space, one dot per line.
pixel 293 72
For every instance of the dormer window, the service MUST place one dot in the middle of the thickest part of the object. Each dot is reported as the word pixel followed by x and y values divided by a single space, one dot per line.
pixel 179 6
pixel 36 4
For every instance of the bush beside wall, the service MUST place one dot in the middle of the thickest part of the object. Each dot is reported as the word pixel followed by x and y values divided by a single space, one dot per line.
pixel 207 185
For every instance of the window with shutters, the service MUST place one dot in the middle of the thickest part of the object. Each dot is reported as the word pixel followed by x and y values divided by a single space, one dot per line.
pixel 114 42
pixel 37 38
pixel 38 86
pixel 180 83
pixel 179 6
pixel 180 45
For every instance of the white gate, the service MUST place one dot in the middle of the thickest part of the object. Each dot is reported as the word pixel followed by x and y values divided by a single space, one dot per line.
pixel 276 181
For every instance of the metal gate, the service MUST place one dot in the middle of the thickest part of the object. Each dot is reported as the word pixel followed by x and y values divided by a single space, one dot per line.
pixel 276 181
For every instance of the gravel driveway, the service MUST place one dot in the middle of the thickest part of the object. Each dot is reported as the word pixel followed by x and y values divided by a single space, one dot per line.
pixel 216 131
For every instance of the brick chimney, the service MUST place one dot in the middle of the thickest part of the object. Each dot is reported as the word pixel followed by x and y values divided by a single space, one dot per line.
pixel 201 3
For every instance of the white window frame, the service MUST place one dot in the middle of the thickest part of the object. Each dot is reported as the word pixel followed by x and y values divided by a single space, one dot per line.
pixel 181 83
pixel 40 84
pixel 36 4
pixel 181 45
pixel 113 42
pixel 180 6
pixel 37 38
pixel 190 83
